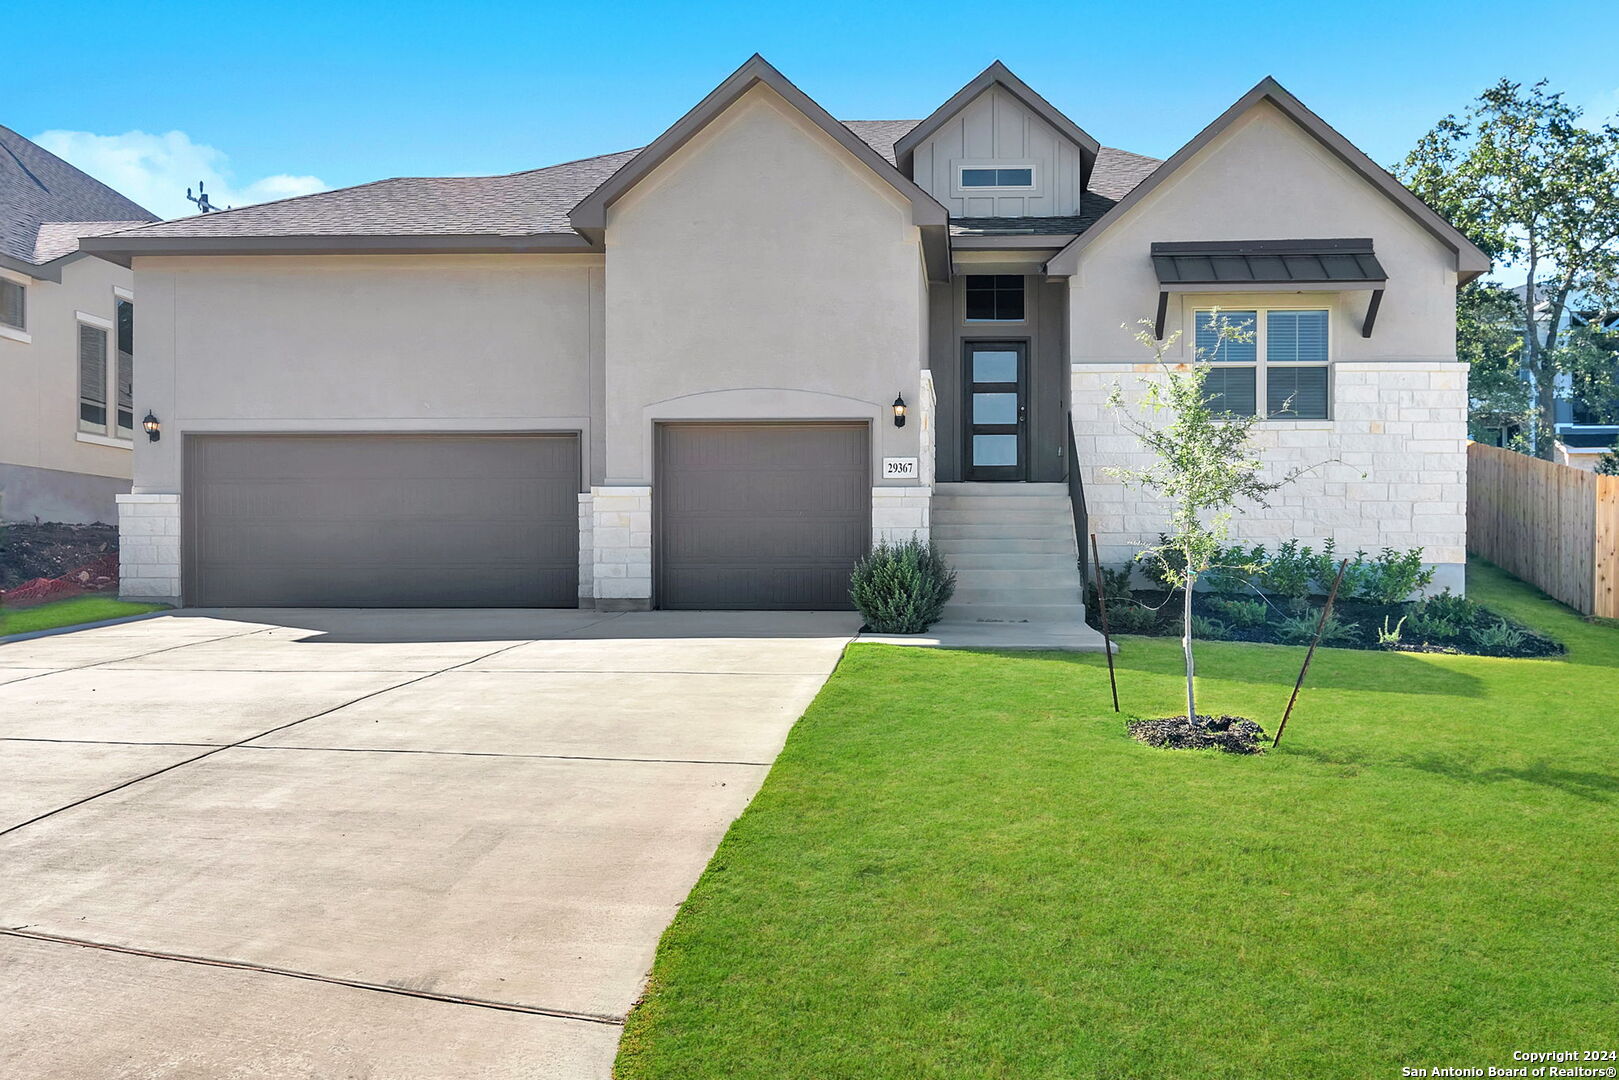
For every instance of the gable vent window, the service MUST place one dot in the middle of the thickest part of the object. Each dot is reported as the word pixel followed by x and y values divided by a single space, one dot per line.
pixel 92 379
pixel 13 304
pixel 997 178
pixel 1284 364
pixel 994 297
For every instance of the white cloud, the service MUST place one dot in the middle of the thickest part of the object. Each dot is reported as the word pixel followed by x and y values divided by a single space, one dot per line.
pixel 156 170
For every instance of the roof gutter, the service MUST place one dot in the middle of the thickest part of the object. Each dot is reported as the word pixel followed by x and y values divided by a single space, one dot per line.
pixel 121 248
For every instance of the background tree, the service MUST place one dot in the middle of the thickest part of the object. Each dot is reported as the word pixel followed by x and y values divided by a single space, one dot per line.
pixel 1206 466
pixel 1489 340
pixel 1531 186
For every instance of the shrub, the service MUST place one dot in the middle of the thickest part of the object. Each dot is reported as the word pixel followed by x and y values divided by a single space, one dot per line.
pixel 1241 612
pixel 1235 568
pixel 1288 572
pixel 1116 583
pixel 1300 629
pixel 901 588
pixel 1209 629
pixel 1392 577
pixel 1501 637
pixel 1433 629
pixel 1163 564
pixel 1323 566
pixel 1130 617
pixel 1458 611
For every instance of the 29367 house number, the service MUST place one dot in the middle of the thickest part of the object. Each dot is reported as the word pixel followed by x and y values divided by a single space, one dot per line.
pixel 899 468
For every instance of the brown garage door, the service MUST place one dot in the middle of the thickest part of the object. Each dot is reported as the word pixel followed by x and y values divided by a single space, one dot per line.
pixel 382 520
pixel 760 515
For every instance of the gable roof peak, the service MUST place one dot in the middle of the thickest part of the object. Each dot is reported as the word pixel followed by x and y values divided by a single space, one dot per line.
pixel 996 74
pixel 589 217
pixel 1470 261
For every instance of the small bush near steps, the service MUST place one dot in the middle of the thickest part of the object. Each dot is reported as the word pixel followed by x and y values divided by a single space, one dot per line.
pixel 901 588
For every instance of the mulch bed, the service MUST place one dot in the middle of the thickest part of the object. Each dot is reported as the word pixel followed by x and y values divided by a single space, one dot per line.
pixel 1159 615
pixel 1233 734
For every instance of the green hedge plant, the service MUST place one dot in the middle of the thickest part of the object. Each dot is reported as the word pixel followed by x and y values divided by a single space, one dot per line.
pixel 902 587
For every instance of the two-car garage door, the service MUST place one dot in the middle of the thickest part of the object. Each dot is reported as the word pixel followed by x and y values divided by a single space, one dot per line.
pixel 382 520
pixel 746 515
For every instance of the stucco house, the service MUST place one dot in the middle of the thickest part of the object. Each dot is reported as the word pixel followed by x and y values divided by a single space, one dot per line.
pixel 709 372
pixel 66 341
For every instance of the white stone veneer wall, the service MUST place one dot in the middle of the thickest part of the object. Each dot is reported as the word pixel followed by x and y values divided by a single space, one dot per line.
pixel 621 542
pixel 1394 472
pixel 899 513
pixel 587 550
pixel 149 547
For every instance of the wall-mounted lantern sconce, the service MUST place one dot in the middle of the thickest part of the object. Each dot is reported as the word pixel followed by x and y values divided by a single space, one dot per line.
pixel 899 411
pixel 154 429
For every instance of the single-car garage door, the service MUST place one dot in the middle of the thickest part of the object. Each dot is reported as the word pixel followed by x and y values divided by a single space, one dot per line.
pixel 382 520
pixel 766 515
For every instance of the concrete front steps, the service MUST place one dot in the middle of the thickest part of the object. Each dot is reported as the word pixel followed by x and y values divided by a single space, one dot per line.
pixel 1015 557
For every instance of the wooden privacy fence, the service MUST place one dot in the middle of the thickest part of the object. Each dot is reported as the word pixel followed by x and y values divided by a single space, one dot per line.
pixel 1552 525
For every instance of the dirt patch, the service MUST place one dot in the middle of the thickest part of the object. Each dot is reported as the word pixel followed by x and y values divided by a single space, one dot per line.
pixel 51 550
pixel 1233 734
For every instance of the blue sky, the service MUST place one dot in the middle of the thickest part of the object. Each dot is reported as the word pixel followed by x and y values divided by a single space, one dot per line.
pixel 270 99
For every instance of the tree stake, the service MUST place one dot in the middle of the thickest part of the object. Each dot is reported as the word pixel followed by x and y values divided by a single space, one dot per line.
pixel 1326 613
pixel 1101 606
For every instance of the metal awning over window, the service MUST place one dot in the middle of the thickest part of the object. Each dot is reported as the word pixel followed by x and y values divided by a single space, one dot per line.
pixel 1240 265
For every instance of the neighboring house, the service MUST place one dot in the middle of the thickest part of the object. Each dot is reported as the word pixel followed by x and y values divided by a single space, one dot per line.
pixel 66 341
pixel 709 372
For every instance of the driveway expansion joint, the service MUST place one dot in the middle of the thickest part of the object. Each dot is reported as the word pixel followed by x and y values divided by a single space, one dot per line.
pixel 334 980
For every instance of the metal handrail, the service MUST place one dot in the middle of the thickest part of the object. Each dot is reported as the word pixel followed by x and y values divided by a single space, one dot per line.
pixel 1076 498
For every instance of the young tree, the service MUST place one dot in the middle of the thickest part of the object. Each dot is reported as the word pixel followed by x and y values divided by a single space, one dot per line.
pixel 1206 465
pixel 1521 176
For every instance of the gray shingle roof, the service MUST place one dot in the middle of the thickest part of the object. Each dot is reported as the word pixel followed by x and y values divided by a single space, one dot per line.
pixel 40 193
pixel 529 203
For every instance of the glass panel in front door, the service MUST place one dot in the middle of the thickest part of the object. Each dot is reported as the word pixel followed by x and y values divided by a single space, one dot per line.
pixel 996 410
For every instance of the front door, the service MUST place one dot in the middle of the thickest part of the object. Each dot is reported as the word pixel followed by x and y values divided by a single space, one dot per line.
pixel 995 406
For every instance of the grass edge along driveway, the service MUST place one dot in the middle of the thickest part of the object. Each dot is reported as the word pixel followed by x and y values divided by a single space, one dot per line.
pixel 961 867
pixel 71 612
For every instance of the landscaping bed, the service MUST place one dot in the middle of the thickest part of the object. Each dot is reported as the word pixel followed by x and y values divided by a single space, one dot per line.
pixel 1277 599
pixel 1458 626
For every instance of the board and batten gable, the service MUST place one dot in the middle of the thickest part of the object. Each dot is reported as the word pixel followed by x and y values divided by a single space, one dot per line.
pixel 1388 466
pixel 761 272
pixel 366 343
pixel 996 129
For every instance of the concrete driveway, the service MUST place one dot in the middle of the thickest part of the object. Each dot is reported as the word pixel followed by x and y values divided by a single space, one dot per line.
pixel 386 844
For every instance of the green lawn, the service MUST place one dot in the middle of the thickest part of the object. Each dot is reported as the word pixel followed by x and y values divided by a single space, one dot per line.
pixel 80 609
pixel 960 867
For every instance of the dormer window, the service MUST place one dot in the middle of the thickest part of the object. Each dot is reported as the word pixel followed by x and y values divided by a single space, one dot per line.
pixel 997 178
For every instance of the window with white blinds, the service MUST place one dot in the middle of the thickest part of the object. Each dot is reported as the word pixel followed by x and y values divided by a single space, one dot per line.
pixel 92 379
pixel 1283 362
pixel 13 304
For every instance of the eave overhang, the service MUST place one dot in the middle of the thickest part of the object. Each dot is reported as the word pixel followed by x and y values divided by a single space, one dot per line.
pixel 121 247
